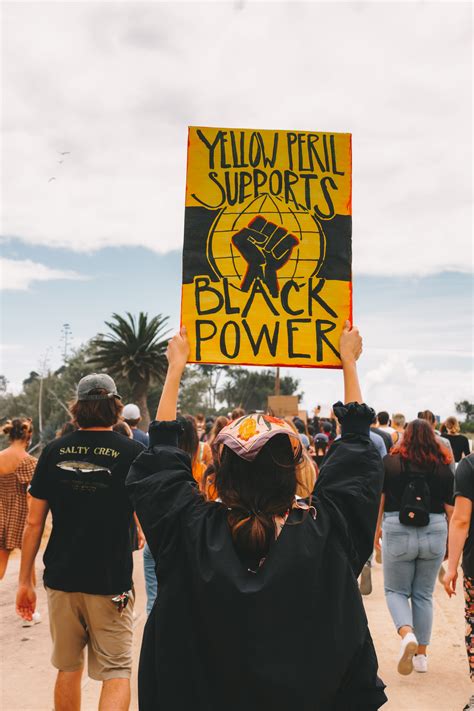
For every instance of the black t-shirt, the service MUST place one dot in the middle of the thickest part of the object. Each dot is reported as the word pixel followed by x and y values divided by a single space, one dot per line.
pixel 459 444
pixel 386 436
pixel 465 487
pixel 82 476
pixel 439 478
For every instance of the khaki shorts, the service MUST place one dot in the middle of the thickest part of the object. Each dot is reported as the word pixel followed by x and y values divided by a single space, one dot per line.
pixel 80 619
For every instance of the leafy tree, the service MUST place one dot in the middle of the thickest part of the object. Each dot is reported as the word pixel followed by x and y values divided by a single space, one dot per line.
pixel 59 389
pixel 250 388
pixel 193 394
pixel 31 378
pixel 212 376
pixel 467 408
pixel 135 353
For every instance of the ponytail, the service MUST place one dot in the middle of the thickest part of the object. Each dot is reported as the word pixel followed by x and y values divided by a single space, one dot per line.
pixel 252 532
pixel 255 493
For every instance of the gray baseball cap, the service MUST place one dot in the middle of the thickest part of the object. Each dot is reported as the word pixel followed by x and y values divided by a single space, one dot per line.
pixel 96 381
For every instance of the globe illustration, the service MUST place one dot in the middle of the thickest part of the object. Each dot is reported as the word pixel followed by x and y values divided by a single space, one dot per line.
pixel 306 258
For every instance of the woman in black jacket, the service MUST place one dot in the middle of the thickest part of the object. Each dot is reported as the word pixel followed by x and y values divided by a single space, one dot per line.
pixel 259 605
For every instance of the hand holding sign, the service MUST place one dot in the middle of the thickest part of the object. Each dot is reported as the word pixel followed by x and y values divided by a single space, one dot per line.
pixel 177 352
pixel 266 247
pixel 350 344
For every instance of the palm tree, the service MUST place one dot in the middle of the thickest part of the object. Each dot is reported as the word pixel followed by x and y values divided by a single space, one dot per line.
pixel 136 352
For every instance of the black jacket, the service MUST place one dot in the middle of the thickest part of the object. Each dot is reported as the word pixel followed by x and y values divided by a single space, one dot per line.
pixel 293 635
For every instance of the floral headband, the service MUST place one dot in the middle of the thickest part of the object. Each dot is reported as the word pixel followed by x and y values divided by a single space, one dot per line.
pixel 247 435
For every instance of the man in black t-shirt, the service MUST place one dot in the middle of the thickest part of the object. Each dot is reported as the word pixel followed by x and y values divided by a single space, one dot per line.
pixel 461 539
pixel 88 560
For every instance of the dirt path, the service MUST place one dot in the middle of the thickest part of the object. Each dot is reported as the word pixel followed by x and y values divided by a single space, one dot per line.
pixel 27 678
pixel 446 686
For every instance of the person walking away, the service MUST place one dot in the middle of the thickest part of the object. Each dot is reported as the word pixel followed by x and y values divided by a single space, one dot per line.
pixel 269 569
pixel 132 416
pixel 458 442
pixel 417 497
pixel 16 471
pixel 88 559
pixel 383 422
pixel 381 432
pixel 461 540
pixel 431 419
pixel 321 443
pixel 398 424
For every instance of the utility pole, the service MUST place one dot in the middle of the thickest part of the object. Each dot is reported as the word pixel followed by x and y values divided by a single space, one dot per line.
pixel 277 380
pixel 66 335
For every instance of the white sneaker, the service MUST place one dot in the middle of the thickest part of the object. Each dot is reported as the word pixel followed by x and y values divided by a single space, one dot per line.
pixel 35 620
pixel 408 650
pixel 420 663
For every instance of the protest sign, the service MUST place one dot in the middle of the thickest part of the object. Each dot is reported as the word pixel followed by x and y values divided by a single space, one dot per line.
pixel 267 246
pixel 283 405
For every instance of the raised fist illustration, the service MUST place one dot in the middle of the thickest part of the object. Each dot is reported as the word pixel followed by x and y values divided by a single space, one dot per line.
pixel 266 247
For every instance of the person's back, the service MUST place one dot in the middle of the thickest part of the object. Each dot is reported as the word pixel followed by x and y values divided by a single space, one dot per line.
pixel 132 416
pixel 398 424
pixel 82 476
pixel 88 560
pixel 417 495
pixel 259 563
pixel 383 422
pixel 16 470
pixel 459 442
pixel 379 443
pixel 386 436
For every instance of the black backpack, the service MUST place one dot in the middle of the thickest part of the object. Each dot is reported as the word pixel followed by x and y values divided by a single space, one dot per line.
pixel 416 498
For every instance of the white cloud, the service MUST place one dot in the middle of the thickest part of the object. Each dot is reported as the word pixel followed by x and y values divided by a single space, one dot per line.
pixel 397 384
pixel 118 83
pixel 394 383
pixel 19 274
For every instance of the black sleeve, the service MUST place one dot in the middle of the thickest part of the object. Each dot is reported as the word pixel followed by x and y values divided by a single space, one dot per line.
pixel 39 487
pixel 350 482
pixel 464 481
pixel 447 484
pixel 161 486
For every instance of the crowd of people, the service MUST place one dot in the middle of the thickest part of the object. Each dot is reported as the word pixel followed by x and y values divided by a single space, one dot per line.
pixel 257 530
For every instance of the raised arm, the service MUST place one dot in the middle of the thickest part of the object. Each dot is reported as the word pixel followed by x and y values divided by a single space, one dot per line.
pixel 350 348
pixel 177 354
pixel 160 482
pixel 351 477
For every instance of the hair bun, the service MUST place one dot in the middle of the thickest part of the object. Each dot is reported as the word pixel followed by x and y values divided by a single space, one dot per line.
pixel 7 427
pixel 18 429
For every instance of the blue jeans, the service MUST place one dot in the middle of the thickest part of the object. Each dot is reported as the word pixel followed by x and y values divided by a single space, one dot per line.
pixel 151 583
pixel 411 560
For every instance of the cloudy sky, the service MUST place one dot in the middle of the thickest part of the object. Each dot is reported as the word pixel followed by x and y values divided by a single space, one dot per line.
pixel 117 84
